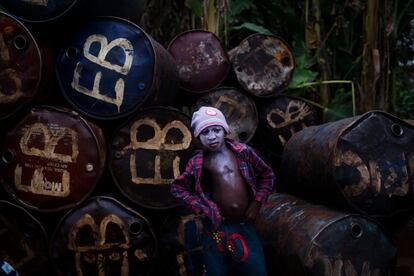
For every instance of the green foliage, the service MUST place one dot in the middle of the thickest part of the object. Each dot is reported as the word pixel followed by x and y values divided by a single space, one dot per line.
pixel 196 7
pixel 404 107
pixel 252 27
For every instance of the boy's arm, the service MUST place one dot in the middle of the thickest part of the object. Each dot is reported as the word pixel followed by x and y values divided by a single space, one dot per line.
pixel 182 189
pixel 265 176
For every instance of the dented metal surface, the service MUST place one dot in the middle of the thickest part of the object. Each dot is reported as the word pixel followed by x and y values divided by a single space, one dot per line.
pixel 180 240
pixel 263 64
pixel 20 65
pixel 23 241
pixel 305 239
pixel 280 118
pixel 103 237
pixel 148 153
pixel 113 67
pixel 52 159
pixel 238 108
pixel 202 62
pixel 366 162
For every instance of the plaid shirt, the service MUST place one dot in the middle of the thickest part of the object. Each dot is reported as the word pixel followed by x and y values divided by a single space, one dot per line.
pixel 187 187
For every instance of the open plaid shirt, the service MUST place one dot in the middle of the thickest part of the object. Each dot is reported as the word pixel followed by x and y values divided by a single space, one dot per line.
pixel 257 174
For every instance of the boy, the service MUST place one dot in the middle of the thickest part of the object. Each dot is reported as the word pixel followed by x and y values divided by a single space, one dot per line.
pixel 227 182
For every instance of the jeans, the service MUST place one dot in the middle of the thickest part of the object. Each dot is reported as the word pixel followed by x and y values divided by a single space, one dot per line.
pixel 233 248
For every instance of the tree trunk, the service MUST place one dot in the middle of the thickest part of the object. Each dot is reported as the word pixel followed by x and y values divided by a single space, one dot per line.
pixel 376 66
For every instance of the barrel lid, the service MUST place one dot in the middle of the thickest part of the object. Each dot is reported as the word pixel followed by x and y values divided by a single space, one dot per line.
pixel 148 153
pixel 103 236
pixel 201 60
pixel 20 67
pixel 373 162
pixel 282 116
pixel 106 72
pixel 23 240
pixel 263 64
pixel 238 108
pixel 51 160
pixel 37 10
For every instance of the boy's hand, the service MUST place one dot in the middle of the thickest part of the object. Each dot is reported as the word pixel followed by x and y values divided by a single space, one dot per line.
pixel 252 211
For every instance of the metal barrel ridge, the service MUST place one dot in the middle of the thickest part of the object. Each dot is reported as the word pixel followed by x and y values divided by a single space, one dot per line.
pixel 52 159
pixel 23 240
pixel 280 118
pixel 50 11
pixel 306 239
pixel 238 108
pixel 366 162
pixel 180 240
pixel 103 237
pixel 148 153
pixel 202 62
pixel 263 64
pixel 20 65
pixel 113 67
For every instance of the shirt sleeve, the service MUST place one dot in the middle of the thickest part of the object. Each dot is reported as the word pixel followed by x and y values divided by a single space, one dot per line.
pixel 265 176
pixel 182 188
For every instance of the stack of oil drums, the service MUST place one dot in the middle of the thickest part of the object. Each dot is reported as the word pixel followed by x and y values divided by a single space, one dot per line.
pixel 95 116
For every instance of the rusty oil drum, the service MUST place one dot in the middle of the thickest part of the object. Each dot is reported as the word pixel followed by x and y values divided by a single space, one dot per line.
pixel 366 162
pixel 52 159
pixel 50 11
pixel 148 153
pixel 238 108
pixel 305 239
pixel 403 237
pixel 202 62
pixel 103 237
pixel 20 65
pixel 263 64
pixel 180 240
pixel 113 67
pixel 23 240
pixel 281 117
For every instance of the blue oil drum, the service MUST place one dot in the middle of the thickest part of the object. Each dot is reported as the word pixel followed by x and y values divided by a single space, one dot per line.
pixel 112 67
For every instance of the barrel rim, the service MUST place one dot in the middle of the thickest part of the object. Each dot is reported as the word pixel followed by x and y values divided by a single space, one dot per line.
pixel 11 191
pixel 225 55
pixel 111 155
pixel 121 114
pixel 41 65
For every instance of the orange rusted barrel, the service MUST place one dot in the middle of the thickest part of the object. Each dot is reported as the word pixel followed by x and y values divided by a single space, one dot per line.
pixel 52 159
pixel 263 64
pixel 300 238
pixel 148 153
pixel 20 65
pixel 180 240
pixel 112 68
pixel 364 162
pixel 202 62
pixel 23 240
pixel 280 118
pixel 103 237
pixel 238 108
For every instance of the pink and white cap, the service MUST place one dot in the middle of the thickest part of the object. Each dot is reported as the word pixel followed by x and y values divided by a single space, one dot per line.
pixel 208 116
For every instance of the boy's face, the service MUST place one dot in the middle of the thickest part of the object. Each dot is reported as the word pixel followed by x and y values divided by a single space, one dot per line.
pixel 212 137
